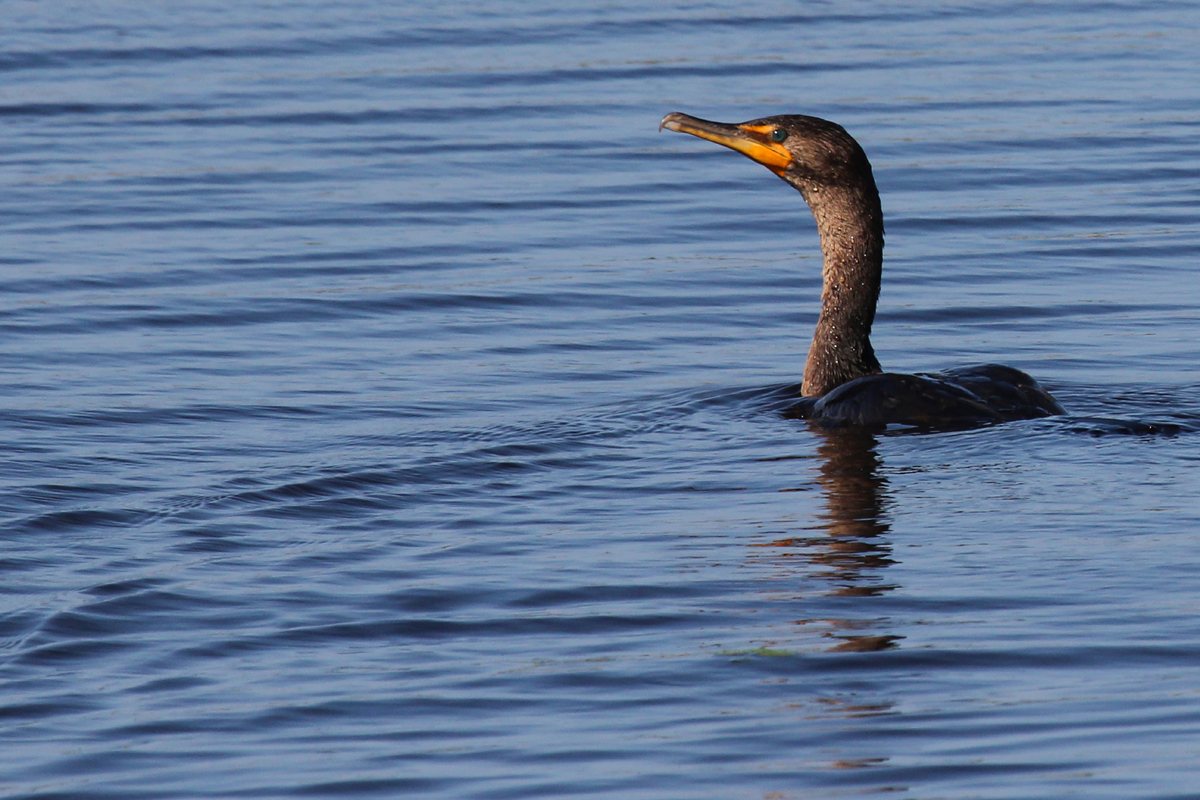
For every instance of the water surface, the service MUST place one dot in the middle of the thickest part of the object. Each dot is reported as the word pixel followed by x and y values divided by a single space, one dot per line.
pixel 390 410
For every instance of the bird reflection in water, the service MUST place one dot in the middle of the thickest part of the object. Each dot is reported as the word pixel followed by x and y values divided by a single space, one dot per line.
pixel 855 515
pixel 854 547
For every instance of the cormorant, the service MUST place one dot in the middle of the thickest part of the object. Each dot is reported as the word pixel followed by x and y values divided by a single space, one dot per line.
pixel 843 382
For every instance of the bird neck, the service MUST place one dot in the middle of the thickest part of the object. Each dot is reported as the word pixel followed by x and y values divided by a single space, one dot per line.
pixel 850 222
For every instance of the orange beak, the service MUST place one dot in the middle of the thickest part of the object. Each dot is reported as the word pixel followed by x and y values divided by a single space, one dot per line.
pixel 752 141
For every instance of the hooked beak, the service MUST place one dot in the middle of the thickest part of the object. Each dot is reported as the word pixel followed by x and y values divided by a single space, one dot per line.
pixel 752 141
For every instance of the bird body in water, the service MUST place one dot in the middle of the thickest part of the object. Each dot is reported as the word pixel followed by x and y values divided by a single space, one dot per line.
pixel 843 382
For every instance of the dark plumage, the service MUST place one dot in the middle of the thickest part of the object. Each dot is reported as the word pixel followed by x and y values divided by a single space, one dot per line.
pixel 843 382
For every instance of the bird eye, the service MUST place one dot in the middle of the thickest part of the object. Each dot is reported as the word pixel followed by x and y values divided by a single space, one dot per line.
pixel 778 135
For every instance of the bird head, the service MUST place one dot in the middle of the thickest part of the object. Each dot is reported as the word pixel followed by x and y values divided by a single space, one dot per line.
pixel 807 152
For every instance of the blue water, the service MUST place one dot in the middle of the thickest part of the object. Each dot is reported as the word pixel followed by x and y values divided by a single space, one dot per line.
pixel 390 410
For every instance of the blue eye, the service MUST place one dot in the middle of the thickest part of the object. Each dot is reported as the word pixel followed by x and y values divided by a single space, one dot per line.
pixel 778 135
